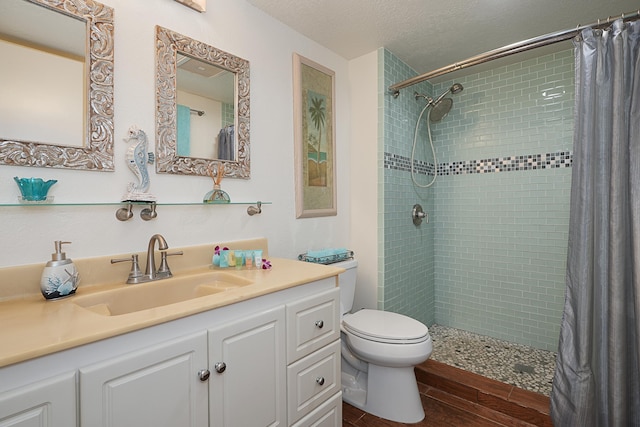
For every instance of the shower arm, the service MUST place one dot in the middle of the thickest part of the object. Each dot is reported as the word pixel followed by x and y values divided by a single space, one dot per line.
pixel 430 100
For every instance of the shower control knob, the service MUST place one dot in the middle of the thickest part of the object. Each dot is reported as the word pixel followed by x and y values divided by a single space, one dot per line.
pixel 320 324
pixel 418 215
pixel 220 367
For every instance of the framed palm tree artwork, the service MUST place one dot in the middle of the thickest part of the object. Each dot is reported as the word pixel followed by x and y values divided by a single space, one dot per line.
pixel 314 135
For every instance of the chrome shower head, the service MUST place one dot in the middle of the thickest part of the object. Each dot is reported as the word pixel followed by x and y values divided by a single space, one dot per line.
pixel 442 105
pixel 456 88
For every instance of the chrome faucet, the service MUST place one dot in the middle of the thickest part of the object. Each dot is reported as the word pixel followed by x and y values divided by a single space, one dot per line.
pixel 150 272
pixel 150 269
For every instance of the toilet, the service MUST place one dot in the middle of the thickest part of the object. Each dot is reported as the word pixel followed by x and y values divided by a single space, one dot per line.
pixel 379 352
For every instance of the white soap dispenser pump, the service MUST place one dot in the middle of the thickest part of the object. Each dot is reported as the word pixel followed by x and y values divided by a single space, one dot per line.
pixel 60 277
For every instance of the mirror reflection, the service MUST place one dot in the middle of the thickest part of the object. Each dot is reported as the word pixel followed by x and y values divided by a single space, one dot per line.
pixel 56 108
pixel 36 106
pixel 202 105
pixel 205 107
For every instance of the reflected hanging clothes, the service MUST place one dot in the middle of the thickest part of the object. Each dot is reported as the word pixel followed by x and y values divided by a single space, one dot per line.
pixel 226 143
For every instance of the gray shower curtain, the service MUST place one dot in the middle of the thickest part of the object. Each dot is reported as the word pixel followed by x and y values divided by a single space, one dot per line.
pixel 597 380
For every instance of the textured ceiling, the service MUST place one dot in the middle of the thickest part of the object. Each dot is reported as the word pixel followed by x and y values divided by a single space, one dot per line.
pixel 429 34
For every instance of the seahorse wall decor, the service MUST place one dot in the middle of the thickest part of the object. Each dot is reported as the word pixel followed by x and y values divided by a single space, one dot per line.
pixel 137 159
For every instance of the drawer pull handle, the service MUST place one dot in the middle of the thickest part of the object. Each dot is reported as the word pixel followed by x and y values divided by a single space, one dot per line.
pixel 320 324
pixel 204 375
pixel 320 380
pixel 220 367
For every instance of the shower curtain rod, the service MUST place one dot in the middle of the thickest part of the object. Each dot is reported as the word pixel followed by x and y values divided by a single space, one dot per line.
pixel 511 49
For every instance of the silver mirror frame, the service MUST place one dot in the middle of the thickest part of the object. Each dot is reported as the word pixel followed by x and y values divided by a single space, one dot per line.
pixel 97 152
pixel 168 43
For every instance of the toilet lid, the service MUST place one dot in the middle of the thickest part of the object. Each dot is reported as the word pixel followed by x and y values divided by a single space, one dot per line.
pixel 385 326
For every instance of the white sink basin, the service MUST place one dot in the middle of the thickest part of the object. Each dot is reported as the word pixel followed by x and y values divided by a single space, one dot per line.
pixel 144 296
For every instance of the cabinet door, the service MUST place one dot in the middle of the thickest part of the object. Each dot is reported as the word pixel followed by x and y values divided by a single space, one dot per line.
pixel 248 371
pixel 158 386
pixel 49 403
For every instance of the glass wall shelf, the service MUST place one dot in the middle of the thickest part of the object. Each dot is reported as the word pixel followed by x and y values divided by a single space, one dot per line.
pixel 46 203
pixel 125 209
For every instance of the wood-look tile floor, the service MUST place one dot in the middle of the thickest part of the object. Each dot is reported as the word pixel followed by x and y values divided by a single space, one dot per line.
pixel 438 414
pixel 443 409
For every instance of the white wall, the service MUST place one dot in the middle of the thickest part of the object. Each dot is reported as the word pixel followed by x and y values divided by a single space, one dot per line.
pixel 364 176
pixel 27 233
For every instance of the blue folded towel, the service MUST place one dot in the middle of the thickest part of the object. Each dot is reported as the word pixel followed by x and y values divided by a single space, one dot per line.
pixel 326 252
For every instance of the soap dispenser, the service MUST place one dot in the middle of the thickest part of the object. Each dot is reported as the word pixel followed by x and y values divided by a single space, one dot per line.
pixel 60 277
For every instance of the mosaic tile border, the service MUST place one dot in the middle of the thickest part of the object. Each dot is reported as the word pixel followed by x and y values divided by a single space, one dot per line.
pixel 560 159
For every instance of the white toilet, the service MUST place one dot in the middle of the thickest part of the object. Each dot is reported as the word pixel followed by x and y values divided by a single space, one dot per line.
pixel 379 352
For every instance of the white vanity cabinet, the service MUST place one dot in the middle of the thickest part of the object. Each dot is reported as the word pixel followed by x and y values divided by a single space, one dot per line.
pixel 272 360
pixel 247 361
pixel 47 403
pixel 158 386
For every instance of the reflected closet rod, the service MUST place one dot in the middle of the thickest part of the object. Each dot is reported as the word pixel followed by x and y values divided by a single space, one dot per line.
pixel 511 49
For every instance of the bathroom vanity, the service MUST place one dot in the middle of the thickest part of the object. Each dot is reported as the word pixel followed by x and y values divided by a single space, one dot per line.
pixel 264 353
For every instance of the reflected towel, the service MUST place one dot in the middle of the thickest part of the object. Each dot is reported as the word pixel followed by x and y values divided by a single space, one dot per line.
pixel 183 143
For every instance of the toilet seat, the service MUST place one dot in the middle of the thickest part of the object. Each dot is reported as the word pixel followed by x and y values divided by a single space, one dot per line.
pixel 385 327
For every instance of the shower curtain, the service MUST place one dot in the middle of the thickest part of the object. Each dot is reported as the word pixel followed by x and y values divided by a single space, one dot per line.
pixel 597 380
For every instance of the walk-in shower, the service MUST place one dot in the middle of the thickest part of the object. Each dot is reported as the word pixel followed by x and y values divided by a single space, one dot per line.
pixel 438 109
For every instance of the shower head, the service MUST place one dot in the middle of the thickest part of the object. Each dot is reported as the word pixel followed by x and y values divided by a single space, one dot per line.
pixel 442 105
pixel 455 88
pixel 440 110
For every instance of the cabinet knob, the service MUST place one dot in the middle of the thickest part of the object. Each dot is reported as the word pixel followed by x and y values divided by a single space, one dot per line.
pixel 204 374
pixel 320 324
pixel 320 380
pixel 220 367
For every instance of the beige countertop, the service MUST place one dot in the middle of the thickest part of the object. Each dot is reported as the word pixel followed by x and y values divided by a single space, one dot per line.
pixel 31 326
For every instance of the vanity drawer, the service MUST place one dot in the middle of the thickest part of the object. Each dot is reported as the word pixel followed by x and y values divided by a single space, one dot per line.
pixel 329 414
pixel 312 323
pixel 312 380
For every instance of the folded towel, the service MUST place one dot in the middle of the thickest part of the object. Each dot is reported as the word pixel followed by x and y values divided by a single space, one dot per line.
pixel 327 252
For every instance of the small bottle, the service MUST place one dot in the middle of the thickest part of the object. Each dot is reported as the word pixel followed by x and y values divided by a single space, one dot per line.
pixel 60 277
pixel 257 259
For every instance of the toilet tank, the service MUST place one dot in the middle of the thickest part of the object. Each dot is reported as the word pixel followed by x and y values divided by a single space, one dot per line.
pixel 347 281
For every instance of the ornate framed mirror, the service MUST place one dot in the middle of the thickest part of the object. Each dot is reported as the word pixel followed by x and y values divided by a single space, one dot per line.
pixel 202 108
pixel 58 108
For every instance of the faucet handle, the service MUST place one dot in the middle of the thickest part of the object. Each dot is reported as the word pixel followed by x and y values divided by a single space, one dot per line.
pixel 164 266
pixel 135 273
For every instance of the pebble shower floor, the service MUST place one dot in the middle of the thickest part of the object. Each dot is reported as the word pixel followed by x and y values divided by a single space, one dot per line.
pixel 519 365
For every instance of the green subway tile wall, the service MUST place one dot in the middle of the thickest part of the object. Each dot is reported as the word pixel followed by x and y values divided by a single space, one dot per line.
pixel 408 251
pixel 492 259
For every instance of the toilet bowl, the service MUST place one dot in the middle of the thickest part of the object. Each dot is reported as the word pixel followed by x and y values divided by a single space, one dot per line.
pixel 379 352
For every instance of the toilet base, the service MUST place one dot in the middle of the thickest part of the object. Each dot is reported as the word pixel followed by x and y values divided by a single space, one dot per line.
pixel 389 393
